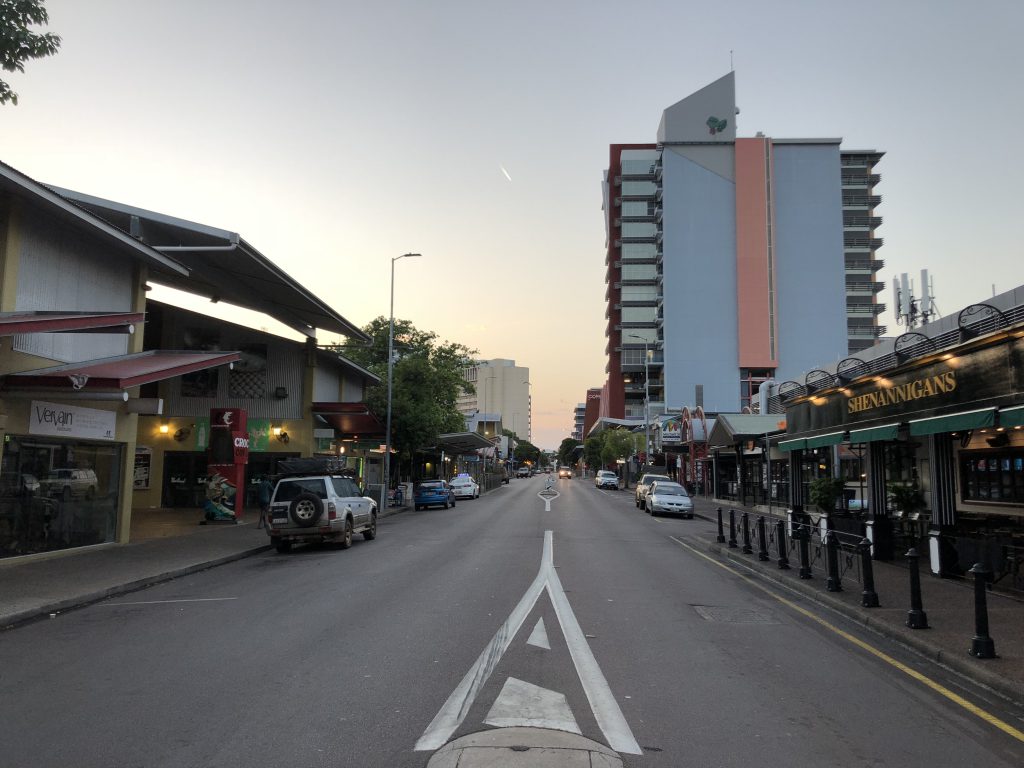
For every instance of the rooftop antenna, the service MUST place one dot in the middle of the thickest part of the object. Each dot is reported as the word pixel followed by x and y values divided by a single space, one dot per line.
pixel 914 311
pixel 731 69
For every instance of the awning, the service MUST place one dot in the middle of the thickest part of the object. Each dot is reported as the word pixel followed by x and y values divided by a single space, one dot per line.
pixel 462 442
pixel 12 323
pixel 954 422
pixel 793 445
pixel 349 419
pixel 120 372
pixel 874 434
pixel 820 441
pixel 1011 417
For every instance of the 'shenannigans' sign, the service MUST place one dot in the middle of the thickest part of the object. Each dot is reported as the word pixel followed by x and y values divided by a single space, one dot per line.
pixel 902 393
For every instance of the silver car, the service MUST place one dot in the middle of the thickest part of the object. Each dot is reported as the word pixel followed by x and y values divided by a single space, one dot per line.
pixel 643 485
pixel 319 508
pixel 668 498
pixel 607 479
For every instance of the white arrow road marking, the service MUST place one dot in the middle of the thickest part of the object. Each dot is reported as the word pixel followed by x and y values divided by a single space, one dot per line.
pixel 606 710
pixel 547 499
pixel 522 703
pixel 539 636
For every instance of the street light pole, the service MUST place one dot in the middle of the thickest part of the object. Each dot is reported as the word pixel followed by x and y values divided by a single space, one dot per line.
pixel 391 364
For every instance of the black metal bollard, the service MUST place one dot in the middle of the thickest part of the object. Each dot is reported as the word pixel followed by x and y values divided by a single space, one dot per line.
pixel 762 539
pixel 721 529
pixel 747 549
pixel 982 646
pixel 916 617
pixel 834 582
pixel 805 550
pixel 868 598
pixel 780 539
pixel 732 529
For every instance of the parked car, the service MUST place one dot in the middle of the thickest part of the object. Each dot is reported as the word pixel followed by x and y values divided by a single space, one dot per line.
pixel 643 485
pixel 606 479
pixel 319 508
pixel 66 483
pixel 564 473
pixel 523 472
pixel 433 493
pixel 668 498
pixel 465 488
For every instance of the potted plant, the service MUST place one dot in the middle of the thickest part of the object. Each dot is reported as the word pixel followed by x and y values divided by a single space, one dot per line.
pixel 825 492
pixel 907 499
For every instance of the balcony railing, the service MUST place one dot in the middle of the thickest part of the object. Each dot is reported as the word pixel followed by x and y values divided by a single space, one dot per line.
pixel 861 310
pixel 861 201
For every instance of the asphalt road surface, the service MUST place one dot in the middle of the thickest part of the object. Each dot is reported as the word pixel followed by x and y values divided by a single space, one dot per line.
pixel 589 617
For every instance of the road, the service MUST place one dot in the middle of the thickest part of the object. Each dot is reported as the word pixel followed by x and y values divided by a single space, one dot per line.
pixel 325 657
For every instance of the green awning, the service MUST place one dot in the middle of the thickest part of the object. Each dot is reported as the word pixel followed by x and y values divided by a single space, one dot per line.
pixel 954 422
pixel 792 445
pixel 820 441
pixel 1011 417
pixel 873 434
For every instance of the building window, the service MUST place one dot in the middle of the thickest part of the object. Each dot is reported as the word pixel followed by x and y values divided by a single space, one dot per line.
pixel 632 251
pixel 638 229
pixel 639 293
pixel 638 188
pixel 638 314
pixel 993 476
pixel 751 380
pixel 639 272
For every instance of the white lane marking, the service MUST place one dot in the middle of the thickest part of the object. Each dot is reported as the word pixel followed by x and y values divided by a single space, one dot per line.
pixel 522 703
pixel 606 710
pixel 539 636
pixel 454 710
pixel 547 499
pixel 602 703
pixel 184 600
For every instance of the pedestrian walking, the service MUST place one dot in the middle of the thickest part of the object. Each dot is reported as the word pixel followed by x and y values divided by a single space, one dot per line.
pixel 266 490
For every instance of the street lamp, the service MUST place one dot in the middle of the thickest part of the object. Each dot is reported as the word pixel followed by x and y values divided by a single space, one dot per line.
pixel 647 396
pixel 391 364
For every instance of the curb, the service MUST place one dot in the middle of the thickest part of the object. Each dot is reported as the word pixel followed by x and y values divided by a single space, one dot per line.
pixel 907 638
pixel 79 601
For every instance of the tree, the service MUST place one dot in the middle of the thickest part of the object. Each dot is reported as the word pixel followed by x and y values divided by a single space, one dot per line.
pixel 618 444
pixel 427 381
pixel 18 43
pixel 565 450
pixel 592 451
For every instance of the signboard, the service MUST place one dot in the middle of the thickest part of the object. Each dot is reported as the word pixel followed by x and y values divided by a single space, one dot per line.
pixel 671 431
pixel 60 420
pixel 143 467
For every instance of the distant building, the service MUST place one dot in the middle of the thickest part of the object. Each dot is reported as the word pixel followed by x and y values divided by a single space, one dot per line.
pixel 732 260
pixel 502 389
pixel 592 409
pixel 578 419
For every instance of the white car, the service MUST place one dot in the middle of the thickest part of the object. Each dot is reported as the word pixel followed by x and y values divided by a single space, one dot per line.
pixel 668 498
pixel 465 488
pixel 607 479
pixel 318 508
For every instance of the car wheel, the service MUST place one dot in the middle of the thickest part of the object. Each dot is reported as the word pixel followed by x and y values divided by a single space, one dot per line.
pixel 371 533
pixel 453 501
pixel 446 504
pixel 306 510
pixel 346 538
pixel 281 546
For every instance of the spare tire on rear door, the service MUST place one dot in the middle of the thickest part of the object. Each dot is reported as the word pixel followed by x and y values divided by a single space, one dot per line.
pixel 306 509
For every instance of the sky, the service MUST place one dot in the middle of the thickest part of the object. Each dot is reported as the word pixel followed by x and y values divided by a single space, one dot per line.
pixel 335 135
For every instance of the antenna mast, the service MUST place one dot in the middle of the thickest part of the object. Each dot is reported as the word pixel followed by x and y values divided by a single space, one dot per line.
pixel 914 311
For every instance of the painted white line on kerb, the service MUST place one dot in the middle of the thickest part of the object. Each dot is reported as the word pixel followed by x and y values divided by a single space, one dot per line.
pixel 184 600
pixel 602 703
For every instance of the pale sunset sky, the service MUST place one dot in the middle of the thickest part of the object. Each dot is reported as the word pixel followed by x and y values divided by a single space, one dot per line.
pixel 335 135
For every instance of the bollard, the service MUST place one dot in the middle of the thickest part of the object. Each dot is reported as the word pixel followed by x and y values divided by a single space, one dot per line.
pixel 916 617
pixel 721 529
pixel 732 529
pixel 868 598
pixel 982 646
pixel 747 549
pixel 762 540
pixel 804 532
pixel 834 581
pixel 780 538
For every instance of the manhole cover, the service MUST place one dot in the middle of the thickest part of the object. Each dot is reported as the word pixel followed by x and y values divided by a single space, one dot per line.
pixel 726 615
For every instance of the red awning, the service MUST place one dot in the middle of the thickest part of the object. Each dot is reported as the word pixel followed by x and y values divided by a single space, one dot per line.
pixel 69 322
pixel 119 372
pixel 350 419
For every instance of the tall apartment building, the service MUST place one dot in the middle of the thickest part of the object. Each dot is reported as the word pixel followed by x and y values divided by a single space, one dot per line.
pixel 732 260
pixel 579 415
pixel 503 389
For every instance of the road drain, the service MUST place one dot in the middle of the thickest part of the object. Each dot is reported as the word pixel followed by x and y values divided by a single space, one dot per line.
pixel 726 615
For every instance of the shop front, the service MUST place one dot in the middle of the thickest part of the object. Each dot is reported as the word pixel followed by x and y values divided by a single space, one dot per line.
pixel 931 432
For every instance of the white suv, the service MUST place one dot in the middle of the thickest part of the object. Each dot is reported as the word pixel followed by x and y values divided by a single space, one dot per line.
pixel 607 479
pixel 319 508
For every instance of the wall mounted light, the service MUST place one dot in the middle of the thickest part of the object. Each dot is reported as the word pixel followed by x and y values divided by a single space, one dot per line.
pixel 165 428
pixel 182 434
pixel 276 431
pixel 280 434
pixel 342 449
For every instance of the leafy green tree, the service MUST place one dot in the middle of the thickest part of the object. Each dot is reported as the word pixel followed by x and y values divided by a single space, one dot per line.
pixel 565 450
pixel 618 444
pixel 18 43
pixel 592 447
pixel 427 382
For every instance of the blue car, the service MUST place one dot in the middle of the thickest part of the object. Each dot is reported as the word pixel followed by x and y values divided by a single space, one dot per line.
pixel 433 493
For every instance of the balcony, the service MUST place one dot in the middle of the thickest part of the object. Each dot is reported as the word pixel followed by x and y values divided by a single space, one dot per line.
pixel 862 310
pixel 854 221
pixel 869 266
pixel 860 179
pixel 861 287
pixel 861 201
pixel 855 240
pixel 865 331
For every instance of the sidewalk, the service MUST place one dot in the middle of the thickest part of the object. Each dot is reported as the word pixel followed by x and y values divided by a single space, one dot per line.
pixel 948 603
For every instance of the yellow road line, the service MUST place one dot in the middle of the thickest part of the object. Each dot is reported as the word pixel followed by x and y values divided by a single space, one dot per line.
pixel 937 687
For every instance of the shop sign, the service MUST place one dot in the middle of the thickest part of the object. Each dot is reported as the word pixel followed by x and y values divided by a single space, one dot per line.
pixel 671 430
pixel 61 420
pixel 143 467
pixel 259 435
